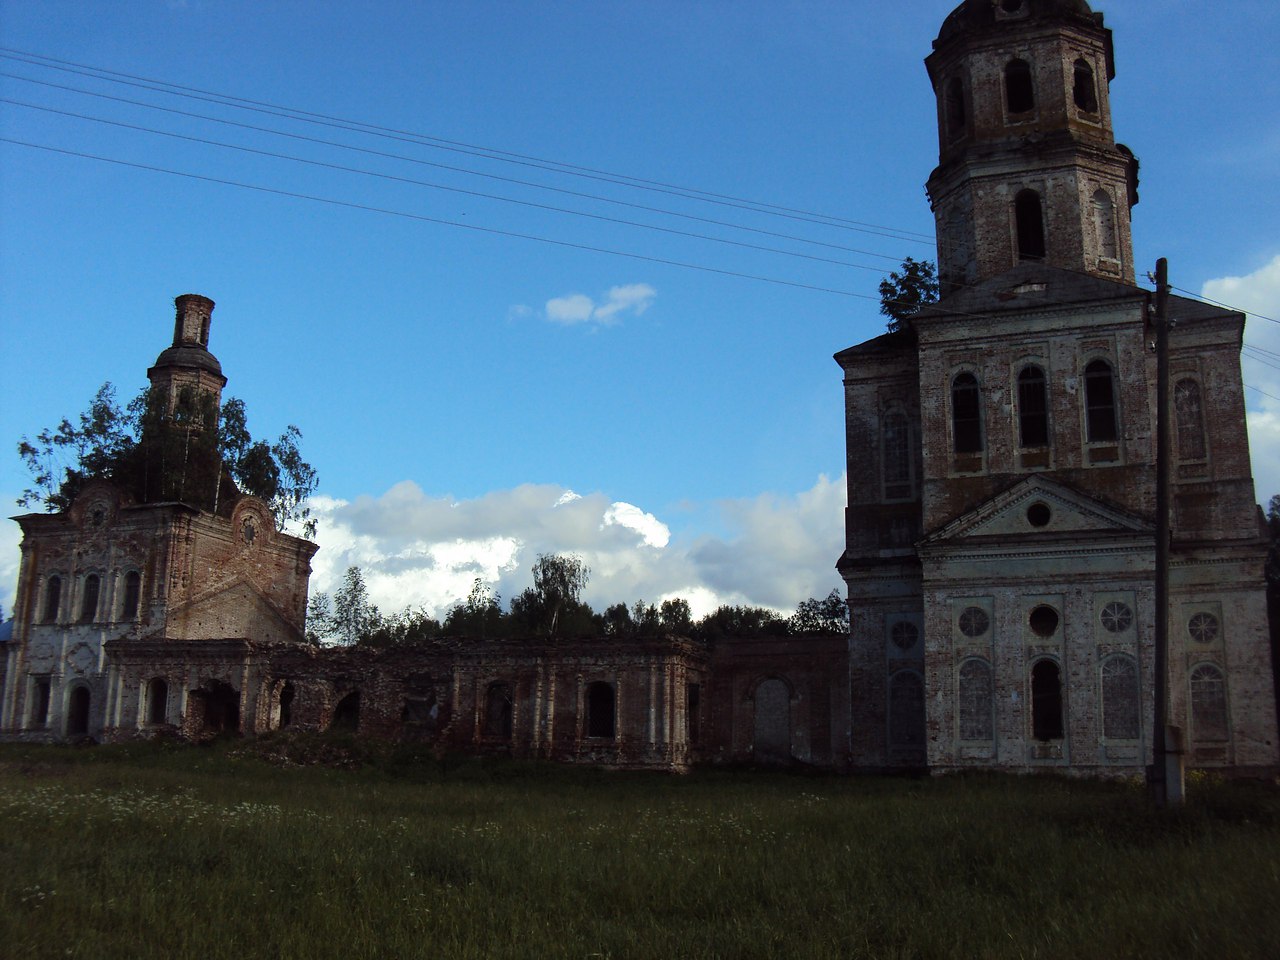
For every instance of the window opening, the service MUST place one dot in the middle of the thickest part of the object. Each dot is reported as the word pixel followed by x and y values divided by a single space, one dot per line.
pixel 966 414
pixel 904 634
pixel 953 108
pixel 600 710
pixel 693 712
pixel 52 599
pixel 1029 218
pixel 1116 617
pixel 1104 220
pixel 157 701
pixel 1084 91
pixel 1189 415
pixel 287 693
pixel 89 600
pixel 78 713
pixel 1121 700
pixel 1019 89
pixel 498 711
pixel 975 701
pixel 1100 402
pixel 897 457
pixel 40 702
pixel 1039 514
pixel 1203 628
pixel 974 621
pixel 1208 704
pixel 132 587
pixel 1043 620
pixel 1033 408
pixel 1046 701
pixel 346 715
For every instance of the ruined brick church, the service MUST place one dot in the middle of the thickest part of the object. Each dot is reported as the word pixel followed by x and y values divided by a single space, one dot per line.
pixel 1000 526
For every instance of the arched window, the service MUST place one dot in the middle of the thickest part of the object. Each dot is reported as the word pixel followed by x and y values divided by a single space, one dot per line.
pixel 953 108
pixel 1019 90
pixel 287 695
pixel 966 414
pixel 1033 408
pixel 89 599
pixel 1208 704
pixel 1046 701
pixel 1104 222
pixel 1121 699
pixel 975 701
pixel 600 710
pixel 1190 419
pixel 132 587
pixel 346 715
pixel 497 711
pixel 157 700
pixel 771 733
pixel 895 437
pixel 1084 91
pixel 906 709
pixel 1100 402
pixel 52 599
pixel 1029 219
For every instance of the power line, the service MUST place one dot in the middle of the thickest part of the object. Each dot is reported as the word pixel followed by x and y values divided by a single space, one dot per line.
pixel 1219 303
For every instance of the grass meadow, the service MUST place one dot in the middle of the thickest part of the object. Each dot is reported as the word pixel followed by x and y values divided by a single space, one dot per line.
pixel 261 850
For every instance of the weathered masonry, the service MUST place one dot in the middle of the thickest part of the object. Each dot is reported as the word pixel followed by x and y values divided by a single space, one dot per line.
pixel 1001 525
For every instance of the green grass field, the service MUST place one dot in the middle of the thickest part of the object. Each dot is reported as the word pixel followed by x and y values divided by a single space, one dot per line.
pixel 173 851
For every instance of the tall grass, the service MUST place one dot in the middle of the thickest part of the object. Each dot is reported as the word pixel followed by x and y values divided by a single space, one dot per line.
pixel 150 851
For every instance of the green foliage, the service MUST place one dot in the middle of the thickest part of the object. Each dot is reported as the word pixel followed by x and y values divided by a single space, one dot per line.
pixel 191 451
pixel 354 617
pixel 147 852
pixel 399 629
pixel 730 621
pixel 829 615
pixel 480 615
pixel 904 292
pixel 551 606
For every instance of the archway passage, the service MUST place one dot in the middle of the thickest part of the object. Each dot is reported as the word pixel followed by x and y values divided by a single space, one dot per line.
pixel 772 735
pixel 78 713
pixel 213 709
pixel 346 715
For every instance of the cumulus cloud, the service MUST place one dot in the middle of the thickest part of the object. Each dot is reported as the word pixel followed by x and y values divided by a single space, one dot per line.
pixel 425 551
pixel 1258 293
pixel 633 299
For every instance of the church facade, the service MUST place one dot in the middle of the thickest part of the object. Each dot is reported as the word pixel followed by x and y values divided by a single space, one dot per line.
pixel 1000 533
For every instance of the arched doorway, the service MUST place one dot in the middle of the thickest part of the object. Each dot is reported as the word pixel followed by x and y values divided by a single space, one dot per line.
pixel 772 735
pixel 78 713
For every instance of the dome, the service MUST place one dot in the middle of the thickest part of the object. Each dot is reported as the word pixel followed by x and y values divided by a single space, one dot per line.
pixel 189 357
pixel 981 15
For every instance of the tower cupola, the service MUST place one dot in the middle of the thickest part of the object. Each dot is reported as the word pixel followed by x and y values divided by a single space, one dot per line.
pixel 1028 164
pixel 187 366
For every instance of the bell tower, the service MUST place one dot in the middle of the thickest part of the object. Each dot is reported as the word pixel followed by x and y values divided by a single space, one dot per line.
pixel 1028 167
pixel 188 365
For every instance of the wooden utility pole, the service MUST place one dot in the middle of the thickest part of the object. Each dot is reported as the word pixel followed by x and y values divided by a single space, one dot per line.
pixel 1165 775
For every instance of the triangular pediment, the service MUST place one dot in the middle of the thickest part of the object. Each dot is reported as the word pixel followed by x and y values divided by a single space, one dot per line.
pixel 1039 507
pixel 235 609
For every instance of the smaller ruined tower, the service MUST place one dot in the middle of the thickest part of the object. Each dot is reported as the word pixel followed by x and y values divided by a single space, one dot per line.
pixel 1028 164
pixel 187 367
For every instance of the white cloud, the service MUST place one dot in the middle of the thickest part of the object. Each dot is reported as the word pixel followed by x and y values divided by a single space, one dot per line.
pixel 421 550
pixel 633 299
pixel 1258 293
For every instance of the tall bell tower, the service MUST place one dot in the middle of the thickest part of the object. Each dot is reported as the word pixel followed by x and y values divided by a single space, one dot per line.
pixel 1028 164
pixel 188 364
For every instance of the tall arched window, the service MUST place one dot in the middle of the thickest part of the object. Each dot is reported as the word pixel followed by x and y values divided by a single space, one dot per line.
pixel 966 414
pixel 157 700
pixel 897 456
pixel 906 709
pixel 975 701
pixel 132 586
pixel 89 599
pixel 954 113
pixel 600 710
pixel 1083 90
pixel 1046 701
pixel 1029 220
pixel 1121 699
pixel 497 711
pixel 1104 224
pixel 1208 704
pixel 1019 89
pixel 1190 419
pixel 52 599
pixel 1033 407
pixel 1100 402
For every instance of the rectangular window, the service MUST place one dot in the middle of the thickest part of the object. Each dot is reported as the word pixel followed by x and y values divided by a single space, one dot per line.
pixel 40 703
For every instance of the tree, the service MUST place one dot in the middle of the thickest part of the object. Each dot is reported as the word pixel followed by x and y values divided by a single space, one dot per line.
pixel 319 619
pixel 189 450
pixel 399 629
pixel 733 621
pixel 904 292
pixel 480 615
pixel 557 583
pixel 829 615
pixel 353 616
pixel 676 617
pixel 616 621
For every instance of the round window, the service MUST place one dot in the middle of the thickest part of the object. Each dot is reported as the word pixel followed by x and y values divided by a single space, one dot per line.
pixel 904 635
pixel 1203 628
pixel 1116 617
pixel 974 621
pixel 1039 514
pixel 1043 621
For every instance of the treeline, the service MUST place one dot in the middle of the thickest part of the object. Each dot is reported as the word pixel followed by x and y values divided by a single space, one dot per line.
pixel 552 607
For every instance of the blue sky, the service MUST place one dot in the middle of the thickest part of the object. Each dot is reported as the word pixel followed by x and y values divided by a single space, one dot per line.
pixel 472 398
